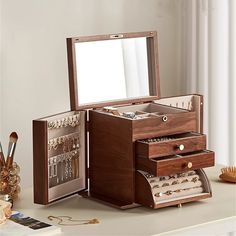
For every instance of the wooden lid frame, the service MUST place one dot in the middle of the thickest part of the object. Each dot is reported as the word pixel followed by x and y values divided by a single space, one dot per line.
pixel 153 69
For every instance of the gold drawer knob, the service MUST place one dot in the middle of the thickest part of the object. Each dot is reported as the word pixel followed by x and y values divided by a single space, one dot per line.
pixel 181 147
pixel 190 165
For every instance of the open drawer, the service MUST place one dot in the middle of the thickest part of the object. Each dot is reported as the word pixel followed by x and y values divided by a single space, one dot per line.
pixel 171 145
pixel 157 192
pixel 175 164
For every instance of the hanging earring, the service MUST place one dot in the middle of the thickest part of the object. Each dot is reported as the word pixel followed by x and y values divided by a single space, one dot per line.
pixel 70 165
pixel 55 144
pixel 50 125
pixel 77 142
pixel 74 146
pixel 70 120
pixel 64 148
pixel 50 145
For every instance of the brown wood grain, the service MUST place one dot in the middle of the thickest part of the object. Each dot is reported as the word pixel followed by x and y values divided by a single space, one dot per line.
pixel 40 162
pixel 111 158
pixel 73 85
pixel 153 66
pixel 191 143
pixel 153 127
pixel 172 165
pixel 148 34
pixel 143 191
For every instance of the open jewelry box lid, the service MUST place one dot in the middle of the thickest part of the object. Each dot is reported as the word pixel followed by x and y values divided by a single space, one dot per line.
pixel 113 69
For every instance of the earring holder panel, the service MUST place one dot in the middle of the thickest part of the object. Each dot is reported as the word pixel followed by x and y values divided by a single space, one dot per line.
pixel 63 153
pixel 45 192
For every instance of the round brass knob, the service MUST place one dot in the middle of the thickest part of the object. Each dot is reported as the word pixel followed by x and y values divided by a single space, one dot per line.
pixel 190 165
pixel 164 118
pixel 181 147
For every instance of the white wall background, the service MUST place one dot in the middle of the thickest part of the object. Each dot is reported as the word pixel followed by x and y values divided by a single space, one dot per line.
pixel 207 66
pixel 34 80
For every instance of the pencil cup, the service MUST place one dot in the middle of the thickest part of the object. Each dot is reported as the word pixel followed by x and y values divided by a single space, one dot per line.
pixel 9 182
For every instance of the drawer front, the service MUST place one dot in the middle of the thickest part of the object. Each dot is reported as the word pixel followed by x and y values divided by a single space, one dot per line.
pixel 176 164
pixel 164 125
pixel 176 144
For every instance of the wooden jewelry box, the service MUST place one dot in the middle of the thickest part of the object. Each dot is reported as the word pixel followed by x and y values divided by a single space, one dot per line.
pixel 121 142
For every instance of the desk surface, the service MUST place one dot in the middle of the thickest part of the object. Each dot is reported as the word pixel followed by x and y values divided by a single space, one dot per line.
pixel 215 214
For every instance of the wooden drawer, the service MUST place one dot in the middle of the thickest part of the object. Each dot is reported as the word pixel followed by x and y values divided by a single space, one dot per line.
pixel 176 164
pixel 171 145
pixel 151 120
pixel 166 124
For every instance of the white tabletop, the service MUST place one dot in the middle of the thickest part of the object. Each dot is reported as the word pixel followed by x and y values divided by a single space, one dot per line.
pixel 213 216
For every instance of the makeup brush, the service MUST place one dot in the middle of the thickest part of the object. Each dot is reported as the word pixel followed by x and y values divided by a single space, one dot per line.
pixel 2 159
pixel 11 149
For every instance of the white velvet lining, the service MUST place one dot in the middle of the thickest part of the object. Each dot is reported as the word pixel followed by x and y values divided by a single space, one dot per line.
pixel 182 195
pixel 181 184
pixel 143 111
pixel 190 184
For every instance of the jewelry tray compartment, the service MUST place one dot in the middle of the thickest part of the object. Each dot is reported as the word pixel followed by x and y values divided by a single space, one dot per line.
pixel 162 166
pixel 151 119
pixel 157 192
pixel 171 145
pixel 59 165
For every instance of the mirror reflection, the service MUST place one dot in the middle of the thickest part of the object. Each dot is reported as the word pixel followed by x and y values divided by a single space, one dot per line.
pixel 112 69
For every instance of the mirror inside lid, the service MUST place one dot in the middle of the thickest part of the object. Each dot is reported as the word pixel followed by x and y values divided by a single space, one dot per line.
pixel 113 69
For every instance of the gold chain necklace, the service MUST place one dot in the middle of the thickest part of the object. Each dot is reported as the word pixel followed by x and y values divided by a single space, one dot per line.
pixel 62 219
